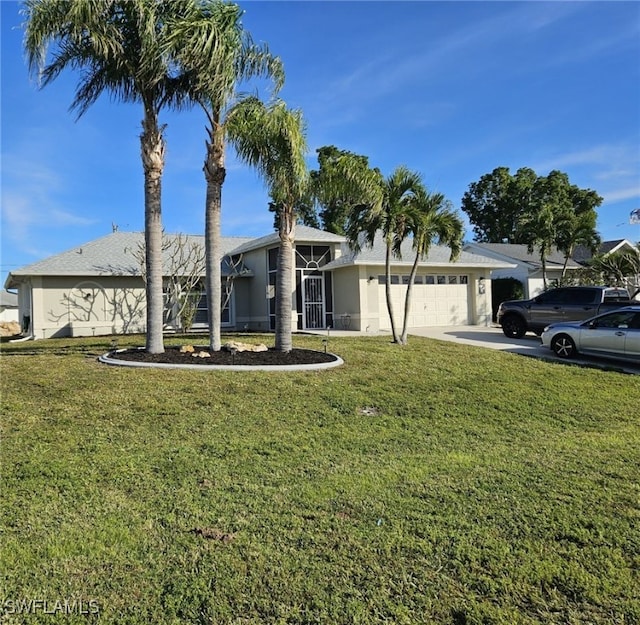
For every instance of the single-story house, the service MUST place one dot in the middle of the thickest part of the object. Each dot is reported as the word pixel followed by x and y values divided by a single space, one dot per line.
pixel 97 288
pixel 525 266
pixel 583 254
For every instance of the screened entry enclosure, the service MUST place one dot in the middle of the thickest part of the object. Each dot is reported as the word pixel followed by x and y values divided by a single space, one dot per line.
pixel 313 288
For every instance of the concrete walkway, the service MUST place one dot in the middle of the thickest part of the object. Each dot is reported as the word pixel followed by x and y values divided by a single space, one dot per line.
pixel 492 338
pixel 480 336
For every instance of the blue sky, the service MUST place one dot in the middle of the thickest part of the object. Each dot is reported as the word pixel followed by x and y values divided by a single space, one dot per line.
pixel 449 89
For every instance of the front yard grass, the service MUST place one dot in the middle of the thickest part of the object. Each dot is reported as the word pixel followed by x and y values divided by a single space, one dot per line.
pixel 436 483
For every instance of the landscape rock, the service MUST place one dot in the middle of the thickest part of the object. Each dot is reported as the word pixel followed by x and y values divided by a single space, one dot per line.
pixel 236 346
pixel 187 349
pixel 9 328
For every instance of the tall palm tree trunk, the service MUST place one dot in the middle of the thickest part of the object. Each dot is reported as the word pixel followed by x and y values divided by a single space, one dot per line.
pixel 215 173
pixel 284 282
pixel 407 300
pixel 387 289
pixel 152 148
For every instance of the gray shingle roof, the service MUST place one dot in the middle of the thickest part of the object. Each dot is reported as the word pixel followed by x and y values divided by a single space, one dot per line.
pixel 114 254
pixel 582 254
pixel 522 254
pixel 439 256
pixel 303 234
pixel 8 300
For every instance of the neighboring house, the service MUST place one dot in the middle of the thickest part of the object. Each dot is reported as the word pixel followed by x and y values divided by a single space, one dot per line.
pixel 8 306
pixel 527 267
pixel 583 254
pixel 97 288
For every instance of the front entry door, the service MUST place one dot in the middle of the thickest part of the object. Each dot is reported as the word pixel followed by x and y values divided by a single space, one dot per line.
pixel 313 302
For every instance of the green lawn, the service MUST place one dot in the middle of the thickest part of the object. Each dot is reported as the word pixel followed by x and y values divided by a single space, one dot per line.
pixel 436 483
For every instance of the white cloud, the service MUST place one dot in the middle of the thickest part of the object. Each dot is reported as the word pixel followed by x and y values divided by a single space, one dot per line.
pixel 609 155
pixel 389 73
pixel 619 195
pixel 30 201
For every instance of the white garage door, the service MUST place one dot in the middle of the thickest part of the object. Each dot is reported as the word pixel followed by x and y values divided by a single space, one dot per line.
pixel 437 300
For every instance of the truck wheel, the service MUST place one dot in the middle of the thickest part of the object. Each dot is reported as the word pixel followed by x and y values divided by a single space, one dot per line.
pixel 513 327
pixel 563 346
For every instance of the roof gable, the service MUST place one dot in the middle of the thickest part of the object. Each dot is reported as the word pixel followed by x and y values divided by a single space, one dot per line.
pixel 303 234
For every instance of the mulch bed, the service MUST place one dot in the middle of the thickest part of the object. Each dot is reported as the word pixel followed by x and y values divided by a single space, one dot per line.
pixel 172 355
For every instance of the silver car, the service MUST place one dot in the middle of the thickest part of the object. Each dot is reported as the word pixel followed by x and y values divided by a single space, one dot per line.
pixel 612 335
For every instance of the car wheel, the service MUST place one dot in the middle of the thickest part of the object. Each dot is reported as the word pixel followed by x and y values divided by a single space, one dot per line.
pixel 513 327
pixel 563 346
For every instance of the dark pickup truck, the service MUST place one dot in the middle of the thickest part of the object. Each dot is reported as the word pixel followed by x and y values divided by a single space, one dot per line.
pixel 572 303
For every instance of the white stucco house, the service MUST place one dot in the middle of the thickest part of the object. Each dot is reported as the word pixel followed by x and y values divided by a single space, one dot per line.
pixel 525 266
pixel 97 288
pixel 583 254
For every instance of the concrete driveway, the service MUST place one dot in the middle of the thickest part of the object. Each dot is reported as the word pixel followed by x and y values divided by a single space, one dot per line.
pixel 530 345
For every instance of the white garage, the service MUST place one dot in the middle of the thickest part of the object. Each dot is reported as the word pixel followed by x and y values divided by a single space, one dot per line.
pixel 444 293
pixel 436 300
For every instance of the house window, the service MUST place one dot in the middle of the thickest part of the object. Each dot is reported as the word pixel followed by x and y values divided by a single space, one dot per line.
pixel 442 279
pixel 464 279
pixel 201 313
pixel 429 279
pixel 453 279
pixel 201 317
pixel 418 280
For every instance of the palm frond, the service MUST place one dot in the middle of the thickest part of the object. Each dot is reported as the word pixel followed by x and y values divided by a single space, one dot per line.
pixel 272 139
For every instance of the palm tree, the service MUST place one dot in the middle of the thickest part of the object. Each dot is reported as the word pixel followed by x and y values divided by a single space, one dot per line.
pixel 576 224
pixel 209 43
pixel 117 47
pixel 272 139
pixel 385 209
pixel 430 217
pixel 575 229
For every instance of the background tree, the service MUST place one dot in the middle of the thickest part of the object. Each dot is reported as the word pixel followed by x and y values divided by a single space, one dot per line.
pixel 538 226
pixel 496 203
pixel 577 225
pixel 217 54
pixel 430 218
pixel 117 47
pixel 305 213
pixel 559 215
pixel 272 139
pixel 333 194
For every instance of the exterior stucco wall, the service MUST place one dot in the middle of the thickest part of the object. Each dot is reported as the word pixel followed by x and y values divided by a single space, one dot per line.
pixel 480 298
pixel 252 305
pixel 357 293
pixel 351 295
pixel 79 306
